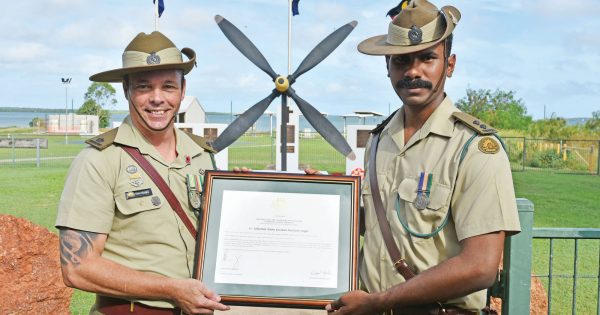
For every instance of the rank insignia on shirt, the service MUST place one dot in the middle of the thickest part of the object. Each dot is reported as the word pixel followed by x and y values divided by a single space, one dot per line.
pixel 488 145
pixel 156 200
pixel 138 193
pixel 131 169
pixel 136 182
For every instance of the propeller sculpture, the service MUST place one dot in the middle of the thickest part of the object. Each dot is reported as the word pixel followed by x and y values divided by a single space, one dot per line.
pixel 283 86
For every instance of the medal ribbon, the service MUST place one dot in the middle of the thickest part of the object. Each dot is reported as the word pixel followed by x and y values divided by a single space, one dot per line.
pixel 429 180
pixel 195 182
pixel 420 188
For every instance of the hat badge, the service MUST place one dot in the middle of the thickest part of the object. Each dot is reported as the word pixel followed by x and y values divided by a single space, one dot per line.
pixel 415 35
pixel 153 59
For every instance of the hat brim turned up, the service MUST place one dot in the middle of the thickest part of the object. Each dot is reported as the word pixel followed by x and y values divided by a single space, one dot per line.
pixel 117 75
pixel 378 45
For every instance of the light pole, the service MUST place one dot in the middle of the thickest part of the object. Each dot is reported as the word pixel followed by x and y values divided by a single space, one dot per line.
pixel 66 82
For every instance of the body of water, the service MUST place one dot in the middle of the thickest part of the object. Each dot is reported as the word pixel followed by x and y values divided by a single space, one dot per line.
pixel 22 119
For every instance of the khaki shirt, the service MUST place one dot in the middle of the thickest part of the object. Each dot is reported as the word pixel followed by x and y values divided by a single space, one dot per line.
pixel 144 233
pixel 479 190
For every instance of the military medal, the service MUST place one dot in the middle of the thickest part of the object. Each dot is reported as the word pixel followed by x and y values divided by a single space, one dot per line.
pixel 194 186
pixel 422 200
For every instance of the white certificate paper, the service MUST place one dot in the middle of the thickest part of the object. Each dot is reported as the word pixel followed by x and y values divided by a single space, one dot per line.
pixel 282 239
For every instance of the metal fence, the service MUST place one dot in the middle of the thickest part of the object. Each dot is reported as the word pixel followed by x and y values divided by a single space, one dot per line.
pixel 258 151
pixel 572 277
pixel 568 263
pixel 562 156
pixel 60 150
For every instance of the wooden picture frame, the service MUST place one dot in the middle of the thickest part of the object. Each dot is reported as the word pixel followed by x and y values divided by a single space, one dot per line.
pixel 279 239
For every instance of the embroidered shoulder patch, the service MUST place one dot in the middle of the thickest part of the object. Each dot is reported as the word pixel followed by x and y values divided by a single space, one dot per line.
pixel 489 145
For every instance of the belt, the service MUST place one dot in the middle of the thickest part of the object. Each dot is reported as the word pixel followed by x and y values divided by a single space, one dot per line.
pixel 423 310
pixel 114 306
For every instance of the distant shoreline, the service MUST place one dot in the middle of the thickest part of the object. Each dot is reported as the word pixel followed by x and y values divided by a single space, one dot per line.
pixel 7 109
pixel 47 110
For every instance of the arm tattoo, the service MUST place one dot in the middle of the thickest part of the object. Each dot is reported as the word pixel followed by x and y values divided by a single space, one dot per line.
pixel 75 246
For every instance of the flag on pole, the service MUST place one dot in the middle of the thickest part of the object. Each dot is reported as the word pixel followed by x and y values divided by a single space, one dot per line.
pixel 161 6
pixel 295 7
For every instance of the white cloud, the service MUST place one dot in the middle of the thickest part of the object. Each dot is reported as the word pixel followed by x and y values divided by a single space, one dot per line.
pixel 24 52
pixel 564 9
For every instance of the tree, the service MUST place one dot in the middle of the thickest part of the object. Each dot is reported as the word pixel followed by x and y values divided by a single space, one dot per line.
pixel 500 109
pixel 553 128
pixel 37 122
pixel 98 97
pixel 594 123
pixel 102 93
pixel 90 107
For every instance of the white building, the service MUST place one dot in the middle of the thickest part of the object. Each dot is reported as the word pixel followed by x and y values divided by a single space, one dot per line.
pixel 191 111
pixel 73 124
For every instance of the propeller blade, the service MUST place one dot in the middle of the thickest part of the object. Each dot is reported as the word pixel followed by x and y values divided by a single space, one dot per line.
pixel 324 49
pixel 323 126
pixel 237 128
pixel 244 45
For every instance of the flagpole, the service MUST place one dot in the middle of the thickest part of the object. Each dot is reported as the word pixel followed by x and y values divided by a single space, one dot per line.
pixel 289 36
pixel 156 15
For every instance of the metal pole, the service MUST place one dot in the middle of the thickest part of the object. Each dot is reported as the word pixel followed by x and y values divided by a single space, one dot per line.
pixel 284 120
pixel 271 125
pixel 524 152
pixel 37 152
pixel 517 263
pixel 289 36
pixel 156 15
pixel 72 113
pixel 66 115
pixel 13 150
pixel 598 164
pixel 285 112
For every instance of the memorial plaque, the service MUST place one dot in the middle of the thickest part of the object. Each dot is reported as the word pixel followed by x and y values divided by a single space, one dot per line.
pixel 210 134
pixel 30 143
pixel 291 134
pixel 362 136
pixel 290 149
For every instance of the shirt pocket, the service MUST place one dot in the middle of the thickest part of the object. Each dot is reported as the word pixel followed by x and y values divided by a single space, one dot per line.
pixel 439 197
pixel 422 223
pixel 135 205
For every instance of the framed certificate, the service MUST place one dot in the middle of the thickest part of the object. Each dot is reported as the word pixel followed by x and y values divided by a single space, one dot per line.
pixel 278 239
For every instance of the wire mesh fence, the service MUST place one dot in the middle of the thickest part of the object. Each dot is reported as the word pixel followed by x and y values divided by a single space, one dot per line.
pixel 258 151
pixel 554 155
pixel 59 151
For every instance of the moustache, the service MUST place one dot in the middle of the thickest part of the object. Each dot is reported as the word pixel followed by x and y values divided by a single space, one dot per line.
pixel 413 84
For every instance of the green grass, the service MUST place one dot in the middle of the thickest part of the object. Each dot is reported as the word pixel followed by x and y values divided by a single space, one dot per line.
pixel 569 201
pixel 561 200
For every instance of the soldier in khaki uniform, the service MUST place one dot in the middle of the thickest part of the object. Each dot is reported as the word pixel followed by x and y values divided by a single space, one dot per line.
pixel 119 236
pixel 444 181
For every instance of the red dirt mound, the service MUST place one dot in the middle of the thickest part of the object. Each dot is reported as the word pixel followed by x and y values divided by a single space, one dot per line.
pixel 30 270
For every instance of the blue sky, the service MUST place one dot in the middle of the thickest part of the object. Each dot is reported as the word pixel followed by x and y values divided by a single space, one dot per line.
pixel 547 51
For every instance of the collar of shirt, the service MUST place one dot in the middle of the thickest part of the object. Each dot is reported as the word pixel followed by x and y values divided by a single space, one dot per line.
pixel 440 122
pixel 130 136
